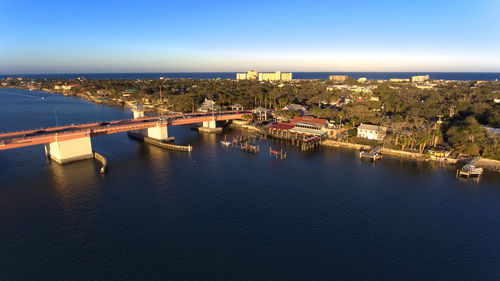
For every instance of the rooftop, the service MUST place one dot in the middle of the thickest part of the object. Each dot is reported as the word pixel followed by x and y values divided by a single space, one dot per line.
pixel 282 126
pixel 309 120
pixel 371 127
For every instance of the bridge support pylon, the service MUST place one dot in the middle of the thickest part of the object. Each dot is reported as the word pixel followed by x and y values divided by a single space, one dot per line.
pixel 69 150
pixel 159 132
pixel 210 127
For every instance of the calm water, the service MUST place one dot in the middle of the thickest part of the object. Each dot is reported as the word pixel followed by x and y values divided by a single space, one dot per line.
pixel 296 75
pixel 221 214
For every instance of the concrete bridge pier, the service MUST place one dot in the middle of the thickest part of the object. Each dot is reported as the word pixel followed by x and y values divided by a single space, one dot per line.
pixel 159 132
pixel 70 150
pixel 210 127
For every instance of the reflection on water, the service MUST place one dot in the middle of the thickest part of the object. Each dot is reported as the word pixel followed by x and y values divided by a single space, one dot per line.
pixel 74 182
pixel 219 213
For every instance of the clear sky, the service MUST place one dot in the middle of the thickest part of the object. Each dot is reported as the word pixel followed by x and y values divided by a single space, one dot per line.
pixel 210 36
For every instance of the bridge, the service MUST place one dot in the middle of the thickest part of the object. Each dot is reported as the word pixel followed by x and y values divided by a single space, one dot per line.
pixel 72 142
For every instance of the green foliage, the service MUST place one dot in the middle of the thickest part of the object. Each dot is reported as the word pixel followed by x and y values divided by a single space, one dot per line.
pixel 467 136
pixel 286 115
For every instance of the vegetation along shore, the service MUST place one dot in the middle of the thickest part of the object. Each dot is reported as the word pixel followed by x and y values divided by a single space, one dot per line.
pixel 437 120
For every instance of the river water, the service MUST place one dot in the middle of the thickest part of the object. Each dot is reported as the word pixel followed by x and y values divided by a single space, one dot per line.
pixel 221 214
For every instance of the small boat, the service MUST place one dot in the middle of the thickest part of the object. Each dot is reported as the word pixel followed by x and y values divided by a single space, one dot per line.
pixel 225 141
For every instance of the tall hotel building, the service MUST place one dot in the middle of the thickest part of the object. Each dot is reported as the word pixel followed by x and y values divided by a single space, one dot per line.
pixel 263 76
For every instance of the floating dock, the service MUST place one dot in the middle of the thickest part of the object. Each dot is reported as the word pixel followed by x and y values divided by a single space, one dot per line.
pixel 373 154
pixel 470 169
pixel 159 143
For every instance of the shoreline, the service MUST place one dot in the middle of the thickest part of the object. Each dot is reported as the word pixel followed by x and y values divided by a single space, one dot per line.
pixel 487 164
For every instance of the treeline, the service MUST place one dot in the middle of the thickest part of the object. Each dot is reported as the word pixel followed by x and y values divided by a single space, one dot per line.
pixel 409 112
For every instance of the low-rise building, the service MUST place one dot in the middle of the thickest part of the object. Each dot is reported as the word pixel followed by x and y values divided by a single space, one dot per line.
pixel 296 107
pixel 372 132
pixel 399 80
pixel 236 107
pixel 362 80
pixel 420 78
pixel 309 125
pixel 353 88
pixel 261 113
pixel 207 105
pixel 303 125
pixel 424 86
pixel 338 78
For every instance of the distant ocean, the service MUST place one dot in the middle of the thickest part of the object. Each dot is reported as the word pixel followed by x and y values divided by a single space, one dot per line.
pixel 490 76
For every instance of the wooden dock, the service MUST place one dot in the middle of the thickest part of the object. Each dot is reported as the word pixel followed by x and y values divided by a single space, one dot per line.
pixel 373 154
pixel 470 169
pixel 277 154
pixel 159 143
pixel 311 143
pixel 250 147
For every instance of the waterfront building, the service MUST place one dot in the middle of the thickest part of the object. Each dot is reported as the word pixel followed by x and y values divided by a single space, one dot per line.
pixel 207 105
pixel 420 78
pixel 309 125
pixel 362 80
pixel 303 125
pixel 261 112
pixel 372 132
pixel 338 78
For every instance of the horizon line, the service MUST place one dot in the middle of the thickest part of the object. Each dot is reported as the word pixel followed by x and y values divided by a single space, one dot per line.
pixel 179 72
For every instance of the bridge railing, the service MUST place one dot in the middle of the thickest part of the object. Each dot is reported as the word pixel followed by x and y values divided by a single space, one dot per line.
pixel 116 125
pixel 120 120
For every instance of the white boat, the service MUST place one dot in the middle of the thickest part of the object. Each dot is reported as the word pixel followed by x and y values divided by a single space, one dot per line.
pixel 225 142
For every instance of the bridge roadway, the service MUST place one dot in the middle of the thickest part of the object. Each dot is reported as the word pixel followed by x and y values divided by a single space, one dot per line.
pixel 68 132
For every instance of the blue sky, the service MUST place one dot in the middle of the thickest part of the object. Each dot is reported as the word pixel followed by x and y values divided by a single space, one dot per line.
pixel 178 36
